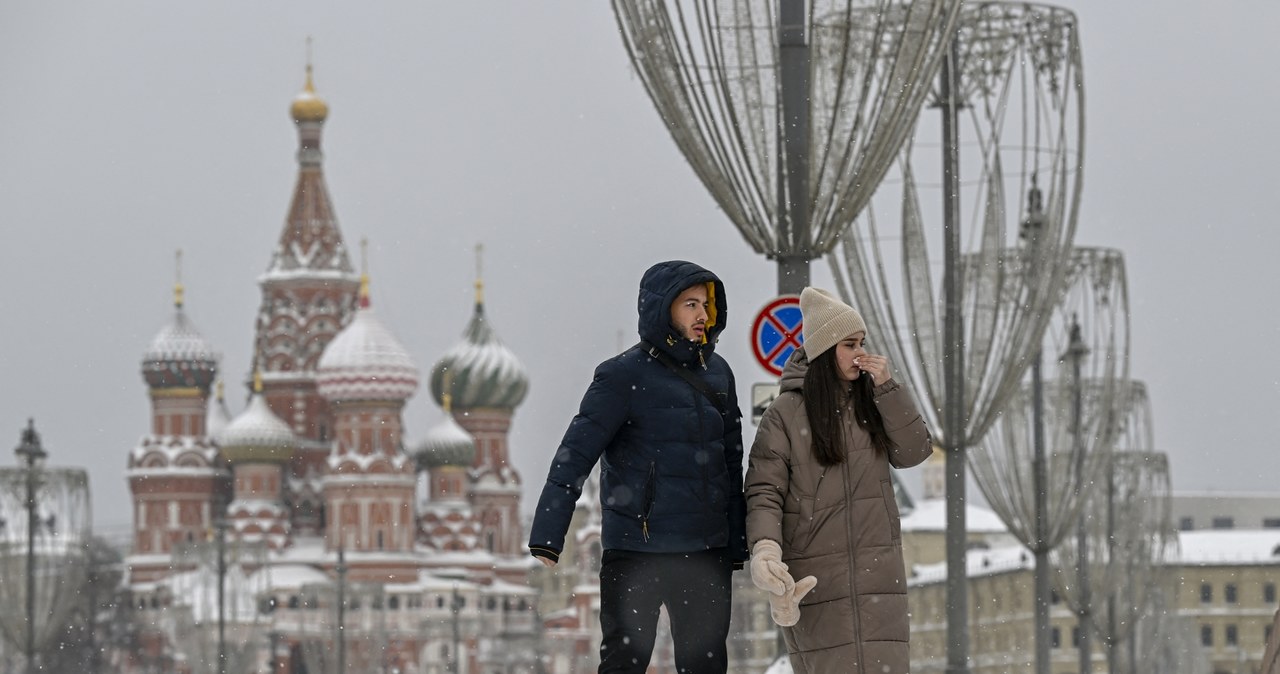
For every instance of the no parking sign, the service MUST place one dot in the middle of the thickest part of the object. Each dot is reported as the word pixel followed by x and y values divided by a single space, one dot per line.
pixel 777 332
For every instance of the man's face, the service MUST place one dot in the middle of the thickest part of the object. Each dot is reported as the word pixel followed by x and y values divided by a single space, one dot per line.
pixel 689 313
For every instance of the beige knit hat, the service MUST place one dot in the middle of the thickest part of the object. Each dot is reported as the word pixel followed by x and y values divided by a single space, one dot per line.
pixel 827 320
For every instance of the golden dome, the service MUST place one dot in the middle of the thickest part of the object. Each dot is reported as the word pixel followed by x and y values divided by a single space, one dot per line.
pixel 307 106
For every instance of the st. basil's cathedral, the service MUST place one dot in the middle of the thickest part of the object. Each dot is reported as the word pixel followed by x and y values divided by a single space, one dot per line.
pixel 324 537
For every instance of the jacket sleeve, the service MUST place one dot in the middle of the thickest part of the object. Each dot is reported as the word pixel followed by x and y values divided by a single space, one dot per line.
pixel 733 459
pixel 906 428
pixel 603 410
pixel 768 479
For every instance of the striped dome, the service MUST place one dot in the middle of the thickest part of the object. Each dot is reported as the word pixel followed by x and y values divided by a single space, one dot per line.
pixel 366 362
pixel 483 371
pixel 257 435
pixel 446 444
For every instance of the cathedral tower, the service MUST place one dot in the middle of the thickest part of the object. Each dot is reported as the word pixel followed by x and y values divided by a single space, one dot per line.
pixel 258 444
pixel 366 376
pixel 486 383
pixel 308 296
pixel 175 476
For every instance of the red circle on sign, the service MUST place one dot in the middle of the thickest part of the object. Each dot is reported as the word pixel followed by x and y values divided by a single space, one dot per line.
pixel 776 332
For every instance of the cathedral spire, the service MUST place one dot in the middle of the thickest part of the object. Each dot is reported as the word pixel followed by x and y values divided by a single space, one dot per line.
pixel 177 285
pixel 479 278
pixel 364 273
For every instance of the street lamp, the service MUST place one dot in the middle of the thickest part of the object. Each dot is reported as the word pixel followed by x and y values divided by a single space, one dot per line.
pixel 31 455
pixel 1076 352
pixel 455 606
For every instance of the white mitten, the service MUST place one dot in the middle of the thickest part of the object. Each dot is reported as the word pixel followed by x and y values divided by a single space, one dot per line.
pixel 786 609
pixel 767 570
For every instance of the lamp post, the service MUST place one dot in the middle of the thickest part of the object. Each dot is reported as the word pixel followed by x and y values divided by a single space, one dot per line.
pixel 1076 352
pixel 220 526
pixel 340 628
pixel 31 455
pixel 455 607
pixel 273 643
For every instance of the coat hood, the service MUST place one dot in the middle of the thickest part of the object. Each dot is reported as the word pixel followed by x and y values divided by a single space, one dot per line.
pixel 793 372
pixel 659 287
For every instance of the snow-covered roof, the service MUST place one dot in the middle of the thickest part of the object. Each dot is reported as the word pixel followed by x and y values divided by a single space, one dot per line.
pixel 978 562
pixel 292 576
pixel 256 434
pixel 218 416
pixel 179 340
pixel 1224 547
pixel 366 362
pixel 931 515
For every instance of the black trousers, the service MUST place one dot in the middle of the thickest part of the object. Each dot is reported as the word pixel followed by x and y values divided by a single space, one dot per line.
pixel 696 589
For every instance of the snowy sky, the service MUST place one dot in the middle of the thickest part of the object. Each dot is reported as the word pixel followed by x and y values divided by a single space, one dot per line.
pixel 130 129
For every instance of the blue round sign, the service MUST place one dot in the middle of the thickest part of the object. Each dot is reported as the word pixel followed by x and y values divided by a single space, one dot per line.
pixel 777 332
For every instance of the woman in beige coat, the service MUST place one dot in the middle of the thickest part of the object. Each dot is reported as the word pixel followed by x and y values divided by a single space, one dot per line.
pixel 820 502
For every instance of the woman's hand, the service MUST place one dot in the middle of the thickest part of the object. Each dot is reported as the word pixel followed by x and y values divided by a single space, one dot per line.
pixel 876 366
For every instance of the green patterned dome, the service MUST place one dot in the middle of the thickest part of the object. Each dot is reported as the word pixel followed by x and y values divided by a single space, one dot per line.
pixel 483 371
pixel 446 444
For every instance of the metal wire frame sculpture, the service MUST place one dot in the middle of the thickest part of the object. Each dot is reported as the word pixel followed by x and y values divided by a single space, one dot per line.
pixel 790 176
pixel 1019 70
pixel 1096 300
pixel 59 562
pixel 1129 530
pixel 1014 77
pixel 1012 464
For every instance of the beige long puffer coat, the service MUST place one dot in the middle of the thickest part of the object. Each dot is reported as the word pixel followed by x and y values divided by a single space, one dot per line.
pixel 840 524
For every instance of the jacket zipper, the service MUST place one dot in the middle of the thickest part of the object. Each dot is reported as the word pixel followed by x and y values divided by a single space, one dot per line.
pixel 702 445
pixel 649 492
pixel 849 530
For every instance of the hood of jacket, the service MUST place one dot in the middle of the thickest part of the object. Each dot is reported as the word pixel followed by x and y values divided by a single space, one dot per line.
pixel 793 372
pixel 659 287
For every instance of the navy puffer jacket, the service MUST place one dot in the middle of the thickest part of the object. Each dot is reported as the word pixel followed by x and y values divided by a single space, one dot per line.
pixel 671 464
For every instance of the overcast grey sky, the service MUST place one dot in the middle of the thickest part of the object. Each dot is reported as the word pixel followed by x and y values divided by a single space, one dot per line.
pixel 130 129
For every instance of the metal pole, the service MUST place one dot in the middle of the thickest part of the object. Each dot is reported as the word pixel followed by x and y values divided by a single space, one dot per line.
pixel 32 455
pixel 793 182
pixel 1040 476
pixel 32 523
pixel 221 526
pixel 1031 230
pixel 455 604
pixel 953 374
pixel 1076 351
pixel 340 629
pixel 1113 655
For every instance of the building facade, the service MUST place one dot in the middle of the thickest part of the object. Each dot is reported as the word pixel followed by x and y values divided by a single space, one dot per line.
pixel 305 530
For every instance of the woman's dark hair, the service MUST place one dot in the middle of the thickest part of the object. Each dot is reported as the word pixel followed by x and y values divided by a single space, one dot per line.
pixel 824 396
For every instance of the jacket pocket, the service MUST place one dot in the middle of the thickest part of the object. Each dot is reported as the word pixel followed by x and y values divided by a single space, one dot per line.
pixel 891 509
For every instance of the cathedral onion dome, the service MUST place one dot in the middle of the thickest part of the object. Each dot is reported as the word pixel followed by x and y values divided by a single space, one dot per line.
pixel 218 416
pixel 484 372
pixel 307 106
pixel 446 444
pixel 257 435
pixel 365 361
pixel 179 356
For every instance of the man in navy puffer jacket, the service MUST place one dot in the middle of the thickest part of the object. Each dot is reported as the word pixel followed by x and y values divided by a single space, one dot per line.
pixel 674 517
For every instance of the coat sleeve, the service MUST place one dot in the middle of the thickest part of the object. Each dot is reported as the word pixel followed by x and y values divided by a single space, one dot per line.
pixel 603 410
pixel 733 459
pixel 768 479
pixel 906 428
